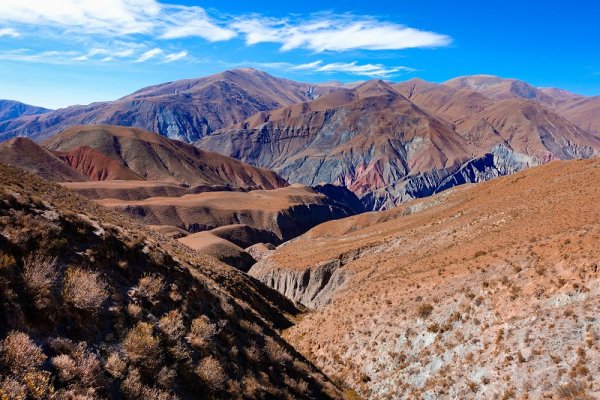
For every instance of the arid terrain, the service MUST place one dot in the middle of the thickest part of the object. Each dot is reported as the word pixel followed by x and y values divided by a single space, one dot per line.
pixel 243 236
pixel 484 291
pixel 95 305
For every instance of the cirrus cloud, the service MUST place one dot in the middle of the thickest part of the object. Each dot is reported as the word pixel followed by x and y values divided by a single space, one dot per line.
pixel 353 68
pixel 115 17
pixel 336 33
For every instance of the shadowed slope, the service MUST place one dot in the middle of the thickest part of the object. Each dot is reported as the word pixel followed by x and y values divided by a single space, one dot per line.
pixel 119 311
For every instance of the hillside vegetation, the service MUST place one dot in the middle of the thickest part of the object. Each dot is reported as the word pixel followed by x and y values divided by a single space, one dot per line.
pixel 94 305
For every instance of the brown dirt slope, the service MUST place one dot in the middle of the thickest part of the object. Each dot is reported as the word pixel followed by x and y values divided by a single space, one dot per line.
pixel 25 154
pixel 96 165
pixel 154 157
pixel 281 213
pixel 483 291
pixel 96 306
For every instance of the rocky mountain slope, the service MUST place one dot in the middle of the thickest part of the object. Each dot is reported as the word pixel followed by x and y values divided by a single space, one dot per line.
pixel 10 109
pixel 483 291
pixel 389 144
pixel 96 306
pixel 183 110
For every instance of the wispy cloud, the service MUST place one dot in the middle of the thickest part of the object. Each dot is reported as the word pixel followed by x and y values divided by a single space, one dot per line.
pixel 336 33
pixel 353 68
pixel 149 54
pixel 9 32
pixel 115 17
pixel 176 56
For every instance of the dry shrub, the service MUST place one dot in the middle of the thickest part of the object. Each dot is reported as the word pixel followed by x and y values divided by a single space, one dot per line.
pixel 84 290
pixel 211 373
pixel 39 275
pixel 276 352
pixel 134 310
pixel 65 366
pixel 11 389
pixel 133 388
pixel 62 345
pixel 38 384
pixel 115 365
pixel 166 377
pixel 251 386
pixel 573 390
pixel 253 354
pixel 81 365
pixel 141 346
pixel 201 331
pixel 171 324
pixel 20 354
pixel 150 287
pixel 424 310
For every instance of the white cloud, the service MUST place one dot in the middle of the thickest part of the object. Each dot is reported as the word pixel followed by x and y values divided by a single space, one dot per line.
pixel 193 21
pixel 176 56
pixel 336 33
pixel 9 32
pixel 115 17
pixel 46 57
pixel 354 68
pixel 148 55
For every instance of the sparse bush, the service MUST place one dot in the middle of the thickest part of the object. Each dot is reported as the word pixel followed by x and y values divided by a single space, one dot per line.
pixel 39 275
pixel 201 331
pixel 20 354
pixel 276 352
pixel 84 290
pixel 424 310
pixel 166 377
pixel 141 346
pixel 38 384
pixel 572 391
pixel 11 389
pixel 171 324
pixel 115 365
pixel 150 286
pixel 211 373
pixel 65 366
pixel 81 365
pixel 134 310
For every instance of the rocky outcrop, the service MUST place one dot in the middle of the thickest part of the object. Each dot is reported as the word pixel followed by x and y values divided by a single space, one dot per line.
pixel 312 287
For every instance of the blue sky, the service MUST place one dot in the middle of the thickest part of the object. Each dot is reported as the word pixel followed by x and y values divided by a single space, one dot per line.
pixel 62 52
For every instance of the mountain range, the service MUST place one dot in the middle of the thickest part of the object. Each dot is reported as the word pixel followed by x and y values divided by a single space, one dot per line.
pixel 387 142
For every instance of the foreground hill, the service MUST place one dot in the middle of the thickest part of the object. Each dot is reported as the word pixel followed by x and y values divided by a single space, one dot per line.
pixel 10 109
pixel 183 110
pixel 389 144
pixel 96 306
pixel 483 291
